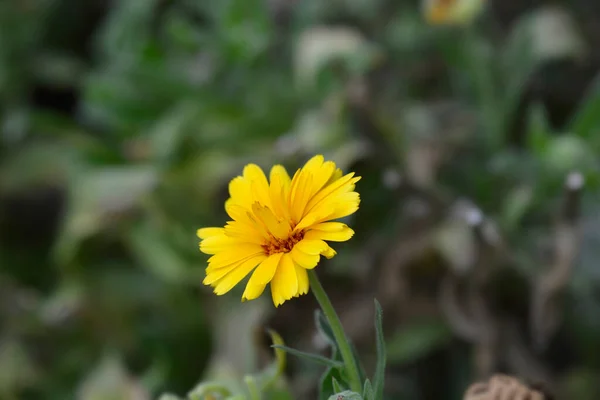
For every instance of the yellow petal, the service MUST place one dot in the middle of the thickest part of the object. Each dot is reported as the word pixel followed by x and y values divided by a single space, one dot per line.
pixel 240 190
pixel 300 195
pixel 204 233
pixel 308 261
pixel 302 277
pixel 312 247
pixel 347 205
pixel 253 291
pixel 343 185
pixel 311 219
pixel 265 271
pixel 328 252
pixel 236 229
pixel 214 275
pixel 215 244
pixel 285 281
pixel 280 172
pixel 258 183
pixel 238 253
pixel 337 174
pixel 279 229
pixel 332 231
pixel 336 207
pixel 278 187
pixel 322 176
pixel 234 277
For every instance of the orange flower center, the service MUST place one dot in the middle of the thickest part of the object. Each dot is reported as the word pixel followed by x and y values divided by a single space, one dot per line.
pixel 282 245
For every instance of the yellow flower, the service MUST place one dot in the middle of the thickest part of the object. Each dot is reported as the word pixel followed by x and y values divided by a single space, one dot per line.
pixel 452 11
pixel 279 228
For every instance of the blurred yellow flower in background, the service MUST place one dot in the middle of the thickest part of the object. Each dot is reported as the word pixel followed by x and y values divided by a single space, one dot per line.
pixel 452 12
pixel 279 228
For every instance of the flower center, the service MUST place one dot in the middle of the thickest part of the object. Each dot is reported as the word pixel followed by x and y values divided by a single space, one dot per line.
pixel 276 245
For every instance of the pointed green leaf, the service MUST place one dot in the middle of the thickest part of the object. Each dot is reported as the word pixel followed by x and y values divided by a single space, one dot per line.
pixel 368 393
pixel 324 328
pixel 361 369
pixel 336 385
pixel 586 120
pixel 381 354
pixel 310 356
pixel 326 384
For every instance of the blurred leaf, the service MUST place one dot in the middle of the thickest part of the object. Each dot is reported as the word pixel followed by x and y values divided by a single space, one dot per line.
pixel 319 46
pixel 154 253
pixel 167 134
pixel 269 375
pixel 315 358
pixel 539 132
pixel 568 153
pixel 518 65
pixel 323 327
pixel 169 397
pixel 95 197
pixel 416 340
pixel 109 380
pixel 17 369
pixel 206 389
pixel 244 28
pixel 586 120
pixel 516 204
pixel 556 35
pixel 46 164
pixel 127 30
pixel 379 377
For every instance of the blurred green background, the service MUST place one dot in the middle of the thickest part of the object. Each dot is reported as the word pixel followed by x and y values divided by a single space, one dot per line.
pixel 121 123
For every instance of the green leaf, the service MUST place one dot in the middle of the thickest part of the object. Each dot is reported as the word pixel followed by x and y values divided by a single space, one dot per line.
pixel 95 196
pixel 368 393
pixel 310 357
pixel 336 385
pixel 345 395
pixel 266 378
pixel 381 354
pixel 518 63
pixel 539 133
pixel 416 340
pixel 361 368
pixel 324 328
pixel 587 119
pixel 168 132
pixel 326 385
pixel 154 253
pixel 168 396
pixel 224 389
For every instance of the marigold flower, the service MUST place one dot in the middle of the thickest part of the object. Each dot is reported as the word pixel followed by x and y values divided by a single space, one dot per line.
pixel 279 228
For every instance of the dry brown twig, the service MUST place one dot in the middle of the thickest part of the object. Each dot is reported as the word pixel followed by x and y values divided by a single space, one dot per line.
pixel 472 318
pixel 546 313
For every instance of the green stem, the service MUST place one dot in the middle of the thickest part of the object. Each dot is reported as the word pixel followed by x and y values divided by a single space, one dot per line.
pixel 338 331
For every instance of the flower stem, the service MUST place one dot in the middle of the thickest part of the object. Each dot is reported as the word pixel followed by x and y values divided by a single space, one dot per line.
pixel 338 331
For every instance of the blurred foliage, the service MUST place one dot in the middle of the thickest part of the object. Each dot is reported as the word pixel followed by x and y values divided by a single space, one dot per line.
pixel 121 124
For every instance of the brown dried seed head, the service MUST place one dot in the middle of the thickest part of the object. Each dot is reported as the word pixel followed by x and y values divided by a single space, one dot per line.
pixel 501 387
